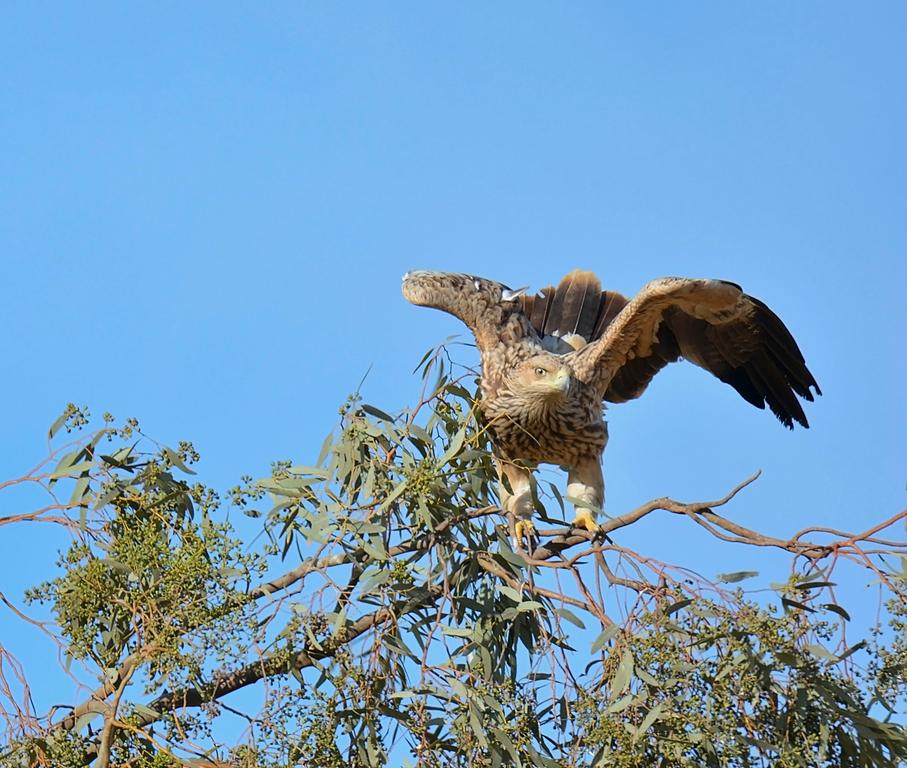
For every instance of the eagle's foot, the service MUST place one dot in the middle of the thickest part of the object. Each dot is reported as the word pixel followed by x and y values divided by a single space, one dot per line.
pixel 523 529
pixel 585 518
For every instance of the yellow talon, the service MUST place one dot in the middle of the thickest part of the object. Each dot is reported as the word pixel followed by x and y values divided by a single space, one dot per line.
pixel 523 529
pixel 585 518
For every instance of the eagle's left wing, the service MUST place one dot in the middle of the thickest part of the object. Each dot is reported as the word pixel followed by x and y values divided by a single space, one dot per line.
pixel 711 323
pixel 492 311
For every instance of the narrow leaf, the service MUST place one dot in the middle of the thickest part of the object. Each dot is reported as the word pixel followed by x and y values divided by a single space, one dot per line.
pixel 837 609
pixel 788 603
pixel 570 616
pixel 603 638
pixel 511 593
pixel 678 606
pixel 815 584
pixel 371 410
pixel 734 577
pixel 75 469
pixel 621 680
pixel 653 715
pixel 455 444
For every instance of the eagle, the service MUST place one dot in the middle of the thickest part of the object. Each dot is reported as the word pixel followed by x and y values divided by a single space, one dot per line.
pixel 551 360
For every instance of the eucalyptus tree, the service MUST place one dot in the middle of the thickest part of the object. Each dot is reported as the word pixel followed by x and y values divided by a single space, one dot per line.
pixel 373 608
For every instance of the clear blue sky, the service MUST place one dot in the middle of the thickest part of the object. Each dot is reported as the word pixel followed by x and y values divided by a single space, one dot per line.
pixel 205 211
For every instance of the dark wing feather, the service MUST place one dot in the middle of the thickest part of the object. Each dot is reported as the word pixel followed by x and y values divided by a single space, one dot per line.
pixel 751 350
pixel 634 376
pixel 539 314
pixel 581 300
pixel 577 305
pixel 611 305
pixel 573 304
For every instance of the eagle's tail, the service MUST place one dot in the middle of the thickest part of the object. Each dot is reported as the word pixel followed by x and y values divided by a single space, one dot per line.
pixel 577 311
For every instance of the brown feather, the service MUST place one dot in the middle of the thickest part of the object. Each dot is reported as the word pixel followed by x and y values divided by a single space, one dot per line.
pixel 611 304
pixel 636 374
pixel 582 298
pixel 768 379
pixel 537 307
pixel 573 306
pixel 555 306
pixel 577 305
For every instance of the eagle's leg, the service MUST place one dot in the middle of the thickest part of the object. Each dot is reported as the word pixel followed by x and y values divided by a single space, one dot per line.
pixel 586 484
pixel 517 499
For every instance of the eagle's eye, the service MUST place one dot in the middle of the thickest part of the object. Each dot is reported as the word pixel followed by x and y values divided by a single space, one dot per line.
pixel 540 371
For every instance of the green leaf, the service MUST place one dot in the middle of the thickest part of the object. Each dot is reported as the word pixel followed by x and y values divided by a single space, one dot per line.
pixel 393 496
pixel 620 705
pixel 504 740
pixel 788 603
pixel 509 555
pixel 75 469
pixel 325 448
pixel 397 645
pixel 406 694
pixel 147 712
pixel 678 606
pixel 372 582
pixel 557 497
pixel 852 650
pixel 650 718
pixel 371 528
pixel 643 675
pixel 65 462
pixel 59 422
pixel 511 593
pixel 424 359
pixel 478 730
pixel 837 609
pixel 420 434
pixel 570 616
pixel 338 623
pixel 458 631
pixel 371 410
pixel 173 458
pixel 455 444
pixel 459 690
pixel 604 637
pixel 621 680
pixel 735 576
pixel 303 469
pixel 85 719
pixel 80 490
pixel 821 651
pixel 374 548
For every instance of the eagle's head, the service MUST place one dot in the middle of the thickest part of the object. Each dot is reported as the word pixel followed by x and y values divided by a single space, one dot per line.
pixel 541 378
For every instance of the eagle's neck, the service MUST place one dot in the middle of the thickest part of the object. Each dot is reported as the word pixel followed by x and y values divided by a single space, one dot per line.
pixel 529 408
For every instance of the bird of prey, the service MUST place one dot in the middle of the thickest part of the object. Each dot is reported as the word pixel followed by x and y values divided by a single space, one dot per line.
pixel 550 360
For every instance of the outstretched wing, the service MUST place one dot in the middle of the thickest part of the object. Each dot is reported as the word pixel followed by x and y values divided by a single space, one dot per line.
pixel 492 311
pixel 711 323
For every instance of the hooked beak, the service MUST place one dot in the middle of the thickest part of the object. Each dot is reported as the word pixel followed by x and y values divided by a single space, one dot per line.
pixel 561 383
